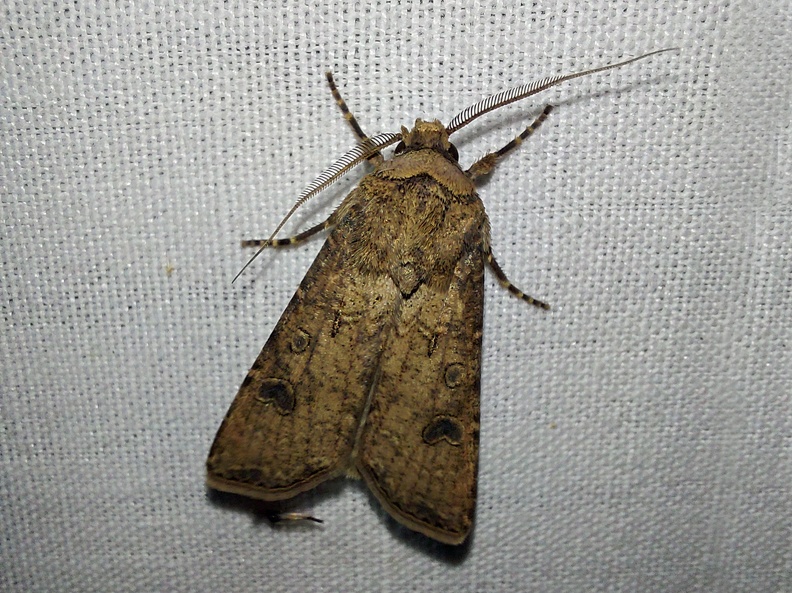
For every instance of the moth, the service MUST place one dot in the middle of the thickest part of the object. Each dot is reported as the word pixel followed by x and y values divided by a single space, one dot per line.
pixel 373 370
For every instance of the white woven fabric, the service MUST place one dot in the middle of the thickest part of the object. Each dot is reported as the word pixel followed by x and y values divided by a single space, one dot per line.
pixel 635 438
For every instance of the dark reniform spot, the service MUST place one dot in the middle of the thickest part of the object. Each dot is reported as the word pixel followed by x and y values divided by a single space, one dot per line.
pixel 278 393
pixel 443 427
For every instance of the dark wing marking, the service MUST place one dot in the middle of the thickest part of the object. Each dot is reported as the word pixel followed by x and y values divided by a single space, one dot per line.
pixel 418 450
pixel 294 421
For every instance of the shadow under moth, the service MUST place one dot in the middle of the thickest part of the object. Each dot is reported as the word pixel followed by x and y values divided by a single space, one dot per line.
pixel 373 369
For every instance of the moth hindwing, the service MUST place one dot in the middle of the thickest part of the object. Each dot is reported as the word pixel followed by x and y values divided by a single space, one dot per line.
pixel 373 369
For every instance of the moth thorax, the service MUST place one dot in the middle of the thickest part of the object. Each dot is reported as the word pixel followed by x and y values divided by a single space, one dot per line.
pixel 426 134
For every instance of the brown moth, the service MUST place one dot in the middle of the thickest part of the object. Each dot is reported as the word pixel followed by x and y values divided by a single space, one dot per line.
pixel 373 369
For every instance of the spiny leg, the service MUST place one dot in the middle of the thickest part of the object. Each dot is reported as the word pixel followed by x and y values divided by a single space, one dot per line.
pixel 376 158
pixel 511 287
pixel 262 243
pixel 344 109
pixel 486 164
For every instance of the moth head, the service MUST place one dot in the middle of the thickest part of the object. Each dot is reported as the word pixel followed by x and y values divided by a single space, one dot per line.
pixel 426 134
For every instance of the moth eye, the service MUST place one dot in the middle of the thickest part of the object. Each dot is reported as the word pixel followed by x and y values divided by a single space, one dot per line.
pixel 399 148
pixel 443 428
pixel 277 393
pixel 452 150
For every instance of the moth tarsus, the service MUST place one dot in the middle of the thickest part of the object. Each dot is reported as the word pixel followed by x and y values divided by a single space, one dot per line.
pixel 375 158
pixel 374 367
pixel 505 283
pixel 277 518
pixel 486 164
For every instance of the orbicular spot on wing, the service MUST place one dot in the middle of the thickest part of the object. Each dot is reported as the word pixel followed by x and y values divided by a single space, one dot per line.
pixel 300 341
pixel 445 428
pixel 277 393
pixel 454 375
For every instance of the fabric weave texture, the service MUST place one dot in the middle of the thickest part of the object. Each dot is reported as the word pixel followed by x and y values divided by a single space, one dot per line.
pixel 637 437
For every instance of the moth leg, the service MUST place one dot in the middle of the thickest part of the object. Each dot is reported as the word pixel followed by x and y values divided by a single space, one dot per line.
pixel 511 287
pixel 374 159
pixel 275 517
pixel 486 164
pixel 289 240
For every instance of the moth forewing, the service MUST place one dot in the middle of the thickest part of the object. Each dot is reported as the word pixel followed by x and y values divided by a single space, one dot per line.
pixel 374 367
pixel 295 419
pixel 419 447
